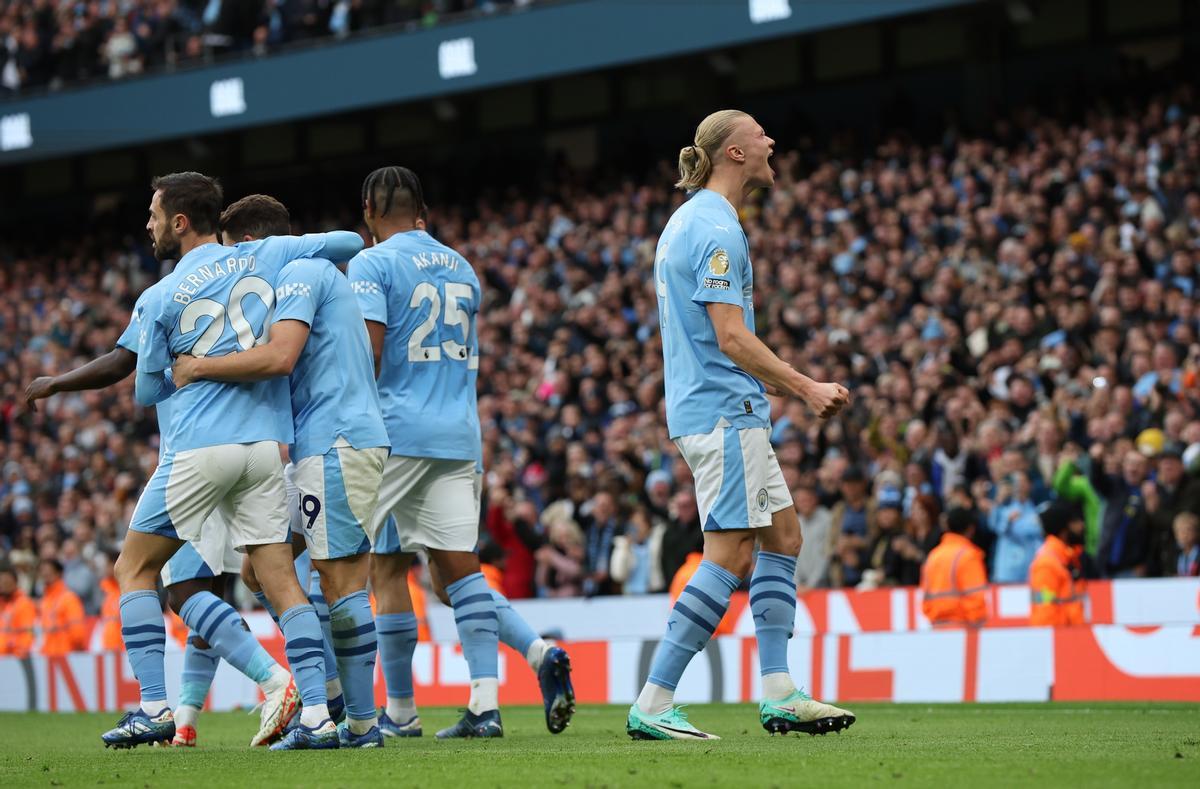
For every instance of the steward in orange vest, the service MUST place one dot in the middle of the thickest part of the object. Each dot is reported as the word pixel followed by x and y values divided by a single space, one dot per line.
pixel 953 578
pixel 1055 582
pixel 64 628
pixel 17 616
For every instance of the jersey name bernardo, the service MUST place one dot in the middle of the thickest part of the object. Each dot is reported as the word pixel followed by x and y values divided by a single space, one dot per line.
pixel 189 285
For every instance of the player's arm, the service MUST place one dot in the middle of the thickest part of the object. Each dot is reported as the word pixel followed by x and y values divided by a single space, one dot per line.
pixel 278 357
pixel 370 283
pixel 376 331
pixel 752 355
pixel 114 366
pixel 336 245
pixel 153 383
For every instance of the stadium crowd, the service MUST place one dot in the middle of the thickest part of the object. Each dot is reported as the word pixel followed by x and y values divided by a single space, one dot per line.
pixel 52 43
pixel 1015 315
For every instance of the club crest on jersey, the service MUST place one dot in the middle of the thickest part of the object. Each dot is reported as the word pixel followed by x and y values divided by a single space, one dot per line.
pixel 762 499
pixel 719 263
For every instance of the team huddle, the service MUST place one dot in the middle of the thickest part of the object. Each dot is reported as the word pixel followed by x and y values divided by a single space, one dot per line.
pixel 257 341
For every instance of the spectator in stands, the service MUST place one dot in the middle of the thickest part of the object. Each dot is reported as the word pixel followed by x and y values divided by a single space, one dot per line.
pixel 852 530
pixel 512 527
pixel 883 559
pixel 954 579
pixel 1014 521
pixel 683 535
pixel 601 525
pixel 812 568
pixel 560 562
pixel 49 43
pixel 79 575
pixel 1123 538
pixel 912 546
pixel 1056 582
pixel 18 615
pixel 1070 484
pixel 637 555
pixel 1187 541
pixel 60 613
pixel 1002 249
pixel 1163 499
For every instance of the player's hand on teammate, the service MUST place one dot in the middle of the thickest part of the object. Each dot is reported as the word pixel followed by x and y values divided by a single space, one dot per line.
pixel 39 389
pixel 184 370
pixel 827 399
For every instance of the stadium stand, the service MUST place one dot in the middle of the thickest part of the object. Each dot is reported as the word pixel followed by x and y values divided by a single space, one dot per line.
pixel 1014 314
pixel 54 43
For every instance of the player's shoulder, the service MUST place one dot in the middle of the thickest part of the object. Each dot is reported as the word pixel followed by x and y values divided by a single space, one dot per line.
pixel 312 274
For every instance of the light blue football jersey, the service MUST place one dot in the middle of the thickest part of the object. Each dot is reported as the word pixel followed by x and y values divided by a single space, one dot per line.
pixel 129 341
pixel 219 300
pixel 703 257
pixel 333 382
pixel 428 297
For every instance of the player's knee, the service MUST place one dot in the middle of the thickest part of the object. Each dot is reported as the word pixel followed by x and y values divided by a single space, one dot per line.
pixel 128 570
pixel 248 576
pixel 178 594
pixel 789 545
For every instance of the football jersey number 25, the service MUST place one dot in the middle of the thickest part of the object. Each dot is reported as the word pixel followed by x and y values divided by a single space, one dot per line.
pixel 426 293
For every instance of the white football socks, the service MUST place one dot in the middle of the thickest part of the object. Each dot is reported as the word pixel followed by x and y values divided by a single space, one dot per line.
pixel 778 686
pixel 401 710
pixel 536 654
pixel 654 700
pixel 153 708
pixel 485 695
pixel 360 727
pixel 186 715
pixel 279 678
pixel 315 715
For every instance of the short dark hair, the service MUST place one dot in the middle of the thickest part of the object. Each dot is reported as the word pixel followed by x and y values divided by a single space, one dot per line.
pixel 194 195
pixel 394 188
pixel 257 216
pixel 958 520
pixel 55 563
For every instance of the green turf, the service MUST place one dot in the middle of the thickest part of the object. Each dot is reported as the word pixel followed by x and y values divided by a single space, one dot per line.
pixel 928 745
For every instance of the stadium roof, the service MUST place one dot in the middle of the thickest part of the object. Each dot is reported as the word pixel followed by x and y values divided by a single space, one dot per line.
pixel 399 67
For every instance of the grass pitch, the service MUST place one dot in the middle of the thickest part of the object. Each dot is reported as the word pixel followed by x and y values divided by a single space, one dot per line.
pixel 1150 745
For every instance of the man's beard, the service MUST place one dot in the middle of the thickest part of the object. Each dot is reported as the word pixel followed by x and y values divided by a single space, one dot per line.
pixel 166 248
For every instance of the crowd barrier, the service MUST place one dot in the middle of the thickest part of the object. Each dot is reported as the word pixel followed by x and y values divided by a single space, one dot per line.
pixel 1142 643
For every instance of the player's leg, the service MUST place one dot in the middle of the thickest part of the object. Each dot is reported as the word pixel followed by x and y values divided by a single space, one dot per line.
pixel 396 630
pixel 307 575
pixel 726 492
pixel 396 624
pixel 145 635
pixel 199 664
pixel 256 513
pixel 783 708
pixel 549 661
pixel 195 589
pixel 320 604
pixel 445 520
pixel 153 538
pixel 338 495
